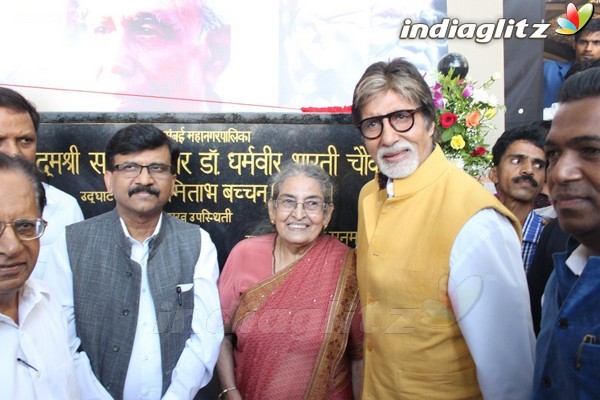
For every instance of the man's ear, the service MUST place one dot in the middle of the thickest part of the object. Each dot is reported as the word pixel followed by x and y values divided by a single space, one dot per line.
pixel 432 132
pixel 493 175
pixel 173 184
pixel 108 181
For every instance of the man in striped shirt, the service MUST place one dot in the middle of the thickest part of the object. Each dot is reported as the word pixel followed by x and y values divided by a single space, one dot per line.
pixel 519 173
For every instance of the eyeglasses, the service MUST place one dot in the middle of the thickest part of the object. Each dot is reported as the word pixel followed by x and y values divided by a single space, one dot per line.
pixel 26 228
pixel 310 206
pixel 400 120
pixel 132 170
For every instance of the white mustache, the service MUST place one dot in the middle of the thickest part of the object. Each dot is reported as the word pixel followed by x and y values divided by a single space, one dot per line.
pixel 395 148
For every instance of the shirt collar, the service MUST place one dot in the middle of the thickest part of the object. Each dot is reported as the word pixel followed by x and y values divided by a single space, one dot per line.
pixel 578 259
pixel 389 187
pixel 29 295
pixel 128 236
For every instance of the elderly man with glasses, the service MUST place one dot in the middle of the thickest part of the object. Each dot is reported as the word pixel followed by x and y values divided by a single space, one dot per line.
pixel 38 358
pixel 19 125
pixel 141 284
pixel 444 294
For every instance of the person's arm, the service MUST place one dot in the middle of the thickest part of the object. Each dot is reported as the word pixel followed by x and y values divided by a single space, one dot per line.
pixel 74 212
pixel 195 365
pixel 226 369
pixel 489 296
pixel 60 279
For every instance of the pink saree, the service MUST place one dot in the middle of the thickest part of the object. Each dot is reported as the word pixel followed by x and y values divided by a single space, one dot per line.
pixel 298 330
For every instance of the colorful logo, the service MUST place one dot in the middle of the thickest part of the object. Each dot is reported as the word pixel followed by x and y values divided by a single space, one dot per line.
pixel 575 20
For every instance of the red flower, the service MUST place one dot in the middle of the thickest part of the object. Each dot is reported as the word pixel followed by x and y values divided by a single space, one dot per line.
pixel 479 151
pixel 448 119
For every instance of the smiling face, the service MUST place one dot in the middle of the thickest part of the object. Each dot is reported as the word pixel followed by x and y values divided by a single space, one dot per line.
pixel 146 203
pixel 521 172
pixel 298 228
pixel 17 257
pixel 573 153
pixel 398 154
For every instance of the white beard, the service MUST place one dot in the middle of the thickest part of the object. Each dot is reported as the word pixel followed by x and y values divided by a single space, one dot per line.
pixel 402 169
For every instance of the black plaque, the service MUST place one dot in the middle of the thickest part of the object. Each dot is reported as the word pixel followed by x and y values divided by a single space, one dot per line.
pixel 223 170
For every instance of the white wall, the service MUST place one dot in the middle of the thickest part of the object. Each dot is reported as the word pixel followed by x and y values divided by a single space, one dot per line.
pixel 484 58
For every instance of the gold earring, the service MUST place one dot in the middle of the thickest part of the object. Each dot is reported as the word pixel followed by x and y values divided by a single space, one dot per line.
pixel 272 222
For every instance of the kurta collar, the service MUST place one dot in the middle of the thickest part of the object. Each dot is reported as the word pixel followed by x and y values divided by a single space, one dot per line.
pixel 578 259
pixel 131 239
pixel 123 239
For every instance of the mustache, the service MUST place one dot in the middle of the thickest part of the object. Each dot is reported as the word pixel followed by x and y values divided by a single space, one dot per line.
pixel 141 188
pixel 524 178
pixel 395 147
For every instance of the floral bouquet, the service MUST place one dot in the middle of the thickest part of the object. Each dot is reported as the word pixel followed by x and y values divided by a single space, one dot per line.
pixel 463 119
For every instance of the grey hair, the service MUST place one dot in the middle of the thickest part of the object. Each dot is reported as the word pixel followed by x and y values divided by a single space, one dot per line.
pixel 24 167
pixel 289 170
pixel 397 75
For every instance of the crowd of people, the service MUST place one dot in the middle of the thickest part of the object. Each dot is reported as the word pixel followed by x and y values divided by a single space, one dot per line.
pixel 435 301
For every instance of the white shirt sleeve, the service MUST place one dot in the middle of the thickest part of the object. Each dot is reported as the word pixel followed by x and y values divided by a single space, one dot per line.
pixel 489 295
pixel 195 366
pixel 60 278
pixel 61 210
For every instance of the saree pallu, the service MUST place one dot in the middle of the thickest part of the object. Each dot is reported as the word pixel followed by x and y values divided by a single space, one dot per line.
pixel 294 328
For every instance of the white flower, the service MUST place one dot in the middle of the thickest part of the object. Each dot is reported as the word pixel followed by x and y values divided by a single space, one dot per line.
pixel 495 76
pixel 459 162
pixel 480 96
pixel 430 78
pixel 492 101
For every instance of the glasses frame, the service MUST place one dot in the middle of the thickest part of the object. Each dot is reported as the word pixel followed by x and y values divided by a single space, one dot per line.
pixel 324 208
pixel 4 225
pixel 380 119
pixel 117 167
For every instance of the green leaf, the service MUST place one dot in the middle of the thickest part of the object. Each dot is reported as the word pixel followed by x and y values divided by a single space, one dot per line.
pixel 453 130
pixel 447 135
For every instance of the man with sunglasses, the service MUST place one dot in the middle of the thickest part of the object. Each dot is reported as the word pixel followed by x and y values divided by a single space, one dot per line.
pixel 140 283
pixel 38 358
pixel 444 294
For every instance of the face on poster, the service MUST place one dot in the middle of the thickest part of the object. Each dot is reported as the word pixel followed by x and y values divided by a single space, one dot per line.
pixel 204 55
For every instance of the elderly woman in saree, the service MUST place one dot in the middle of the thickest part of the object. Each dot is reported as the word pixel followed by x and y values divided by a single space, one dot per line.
pixel 290 301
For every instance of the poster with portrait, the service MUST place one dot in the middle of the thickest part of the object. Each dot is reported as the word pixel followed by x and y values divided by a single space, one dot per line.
pixel 204 55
